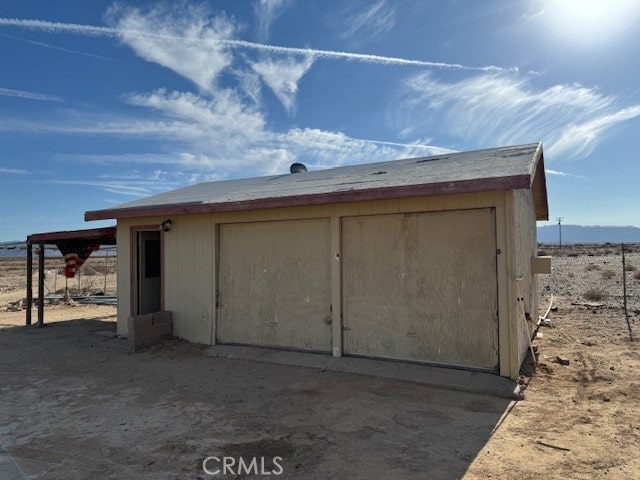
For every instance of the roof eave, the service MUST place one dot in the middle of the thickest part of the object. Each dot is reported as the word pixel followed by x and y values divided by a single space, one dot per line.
pixel 443 188
pixel 539 185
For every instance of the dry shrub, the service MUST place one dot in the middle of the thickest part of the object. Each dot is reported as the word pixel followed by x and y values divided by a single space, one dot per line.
pixel 87 270
pixel 102 269
pixel 591 267
pixel 630 267
pixel 595 294
pixel 637 275
pixel 608 274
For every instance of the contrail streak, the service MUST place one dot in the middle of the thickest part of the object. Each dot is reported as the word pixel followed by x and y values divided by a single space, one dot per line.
pixel 91 30
pixel 61 49
pixel 409 145
pixel 9 92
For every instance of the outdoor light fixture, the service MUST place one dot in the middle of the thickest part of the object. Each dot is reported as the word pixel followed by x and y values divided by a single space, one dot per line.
pixel 166 225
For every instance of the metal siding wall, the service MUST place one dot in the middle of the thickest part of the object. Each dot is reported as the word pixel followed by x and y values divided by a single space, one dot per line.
pixel 525 247
pixel 189 252
pixel 123 275
pixel 189 276
pixel 400 205
pixel 275 284
pixel 504 266
pixel 422 287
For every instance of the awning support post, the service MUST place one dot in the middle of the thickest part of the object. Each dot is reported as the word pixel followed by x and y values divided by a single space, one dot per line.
pixel 29 282
pixel 41 285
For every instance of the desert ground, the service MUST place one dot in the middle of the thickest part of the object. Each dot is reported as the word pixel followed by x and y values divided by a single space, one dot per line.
pixel 75 405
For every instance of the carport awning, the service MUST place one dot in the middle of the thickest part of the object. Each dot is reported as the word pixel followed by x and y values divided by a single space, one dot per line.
pixel 75 246
pixel 98 236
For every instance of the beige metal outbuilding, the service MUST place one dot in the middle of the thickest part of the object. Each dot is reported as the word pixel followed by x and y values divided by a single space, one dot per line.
pixel 427 260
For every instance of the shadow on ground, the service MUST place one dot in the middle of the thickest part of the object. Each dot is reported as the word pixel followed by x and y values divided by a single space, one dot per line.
pixel 75 404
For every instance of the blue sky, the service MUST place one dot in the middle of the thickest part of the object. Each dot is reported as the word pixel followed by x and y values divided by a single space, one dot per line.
pixel 103 102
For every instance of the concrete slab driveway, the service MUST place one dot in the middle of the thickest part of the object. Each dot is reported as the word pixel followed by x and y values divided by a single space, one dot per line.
pixel 76 405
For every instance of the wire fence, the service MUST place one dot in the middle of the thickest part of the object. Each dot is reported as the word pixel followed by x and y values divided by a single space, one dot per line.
pixel 624 292
pixel 597 276
pixel 97 276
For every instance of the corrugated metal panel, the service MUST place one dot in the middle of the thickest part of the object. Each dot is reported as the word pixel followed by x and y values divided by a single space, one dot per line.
pixel 422 287
pixel 275 284
pixel 448 170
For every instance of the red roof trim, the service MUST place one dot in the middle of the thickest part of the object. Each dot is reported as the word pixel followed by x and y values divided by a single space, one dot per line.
pixel 105 236
pixel 443 188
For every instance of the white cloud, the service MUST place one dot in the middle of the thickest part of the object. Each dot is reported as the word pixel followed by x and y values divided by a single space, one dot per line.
pixel 249 84
pixel 558 173
pixel 90 30
pixel 267 11
pixel 218 132
pixel 9 92
pixel 223 137
pixel 582 138
pixel 227 133
pixel 130 159
pixel 14 171
pixel 506 109
pixel 282 77
pixel 135 189
pixel 137 183
pixel 91 125
pixel 185 39
pixel 375 20
pixel 325 149
pixel 219 117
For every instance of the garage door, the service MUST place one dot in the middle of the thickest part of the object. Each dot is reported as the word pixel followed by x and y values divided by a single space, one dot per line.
pixel 275 284
pixel 422 287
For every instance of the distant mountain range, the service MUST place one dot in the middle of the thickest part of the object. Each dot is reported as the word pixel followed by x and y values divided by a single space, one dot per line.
pixel 588 234
pixel 19 249
pixel 12 249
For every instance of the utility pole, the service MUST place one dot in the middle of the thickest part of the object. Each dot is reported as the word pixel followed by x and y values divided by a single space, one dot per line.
pixel 560 231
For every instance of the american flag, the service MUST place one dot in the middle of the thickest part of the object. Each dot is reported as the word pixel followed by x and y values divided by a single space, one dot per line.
pixel 75 254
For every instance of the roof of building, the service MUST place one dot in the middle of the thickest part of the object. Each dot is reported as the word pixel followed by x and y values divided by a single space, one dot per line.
pixel 495 169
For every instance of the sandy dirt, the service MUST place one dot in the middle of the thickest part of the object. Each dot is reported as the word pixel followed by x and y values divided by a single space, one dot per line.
pixel 75 404
pixel 591 407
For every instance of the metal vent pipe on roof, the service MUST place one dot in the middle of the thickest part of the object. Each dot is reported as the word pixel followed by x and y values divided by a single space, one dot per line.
pixel 297 167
